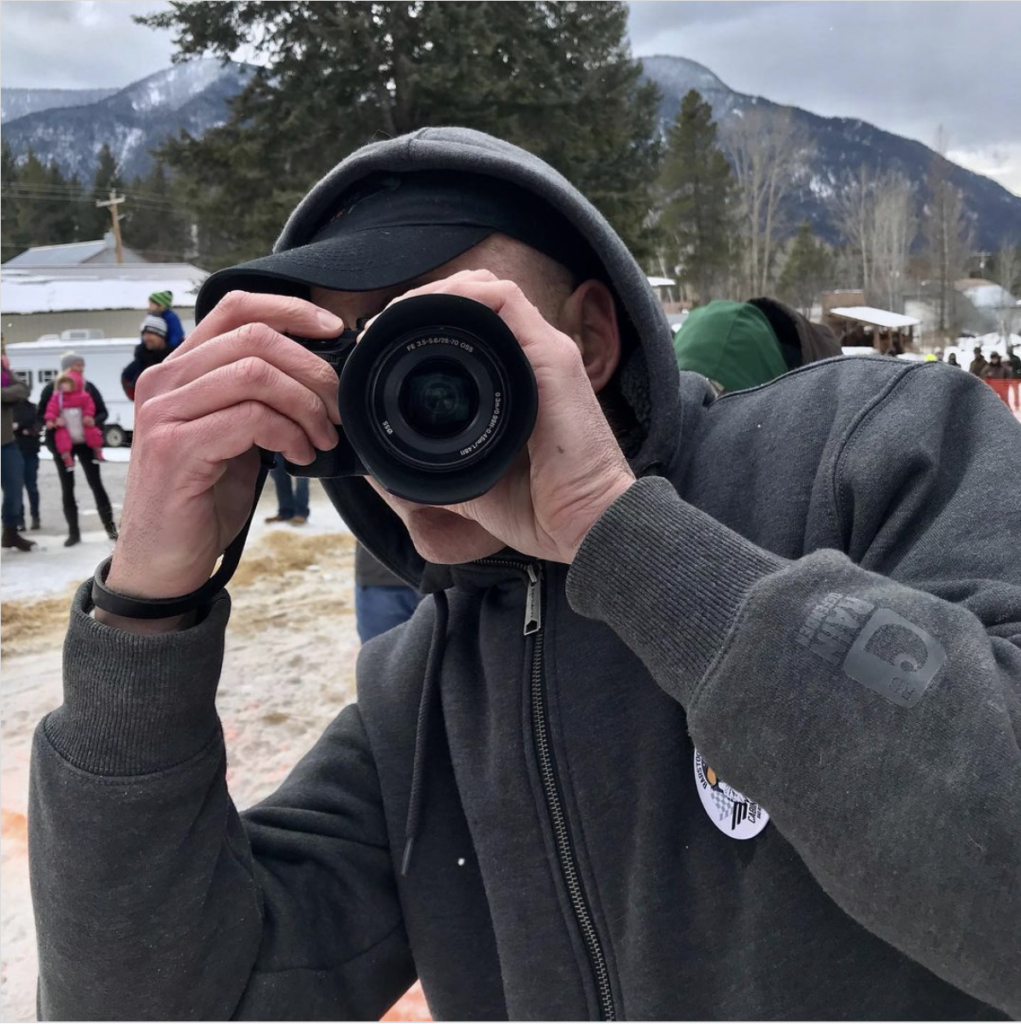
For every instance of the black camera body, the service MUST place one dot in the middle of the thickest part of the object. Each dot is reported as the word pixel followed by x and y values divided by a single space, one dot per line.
pixel 436 400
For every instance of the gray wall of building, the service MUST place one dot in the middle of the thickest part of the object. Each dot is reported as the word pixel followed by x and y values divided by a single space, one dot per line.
pixel 114 323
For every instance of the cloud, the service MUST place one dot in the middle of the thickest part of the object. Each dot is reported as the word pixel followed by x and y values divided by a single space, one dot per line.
pixel 905 67
pixel 79 44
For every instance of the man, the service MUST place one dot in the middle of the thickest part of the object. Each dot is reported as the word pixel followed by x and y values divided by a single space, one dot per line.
pixel 150 351
pixel 689 719
pixel 83 454
pixel 292 496
pixel 14 391
pixel 159 305
pixel 995 370
pixel 26 434
pixel 740 345
pixel 382 599
pixel 978 364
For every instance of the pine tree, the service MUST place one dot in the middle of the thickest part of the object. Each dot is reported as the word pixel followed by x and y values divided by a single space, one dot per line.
pixel 33 203
pixel 10 243
pixel 807 270
pixel 155 226
pixel 61 221
pixel 556 78
pixel 697 188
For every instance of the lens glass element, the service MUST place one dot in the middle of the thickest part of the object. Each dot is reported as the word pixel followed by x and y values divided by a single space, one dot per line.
pixel 438 398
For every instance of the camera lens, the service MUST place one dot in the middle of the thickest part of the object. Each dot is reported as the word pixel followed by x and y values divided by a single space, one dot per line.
pixel 439 398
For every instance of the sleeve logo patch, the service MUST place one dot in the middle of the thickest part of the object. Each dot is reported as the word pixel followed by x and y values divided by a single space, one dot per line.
pixel 873 646
pixel 730 811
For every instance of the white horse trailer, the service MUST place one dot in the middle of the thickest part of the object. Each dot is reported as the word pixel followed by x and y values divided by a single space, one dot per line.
pixel 38 362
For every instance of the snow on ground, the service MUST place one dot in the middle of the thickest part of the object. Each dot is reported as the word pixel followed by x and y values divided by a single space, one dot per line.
pixel 109 454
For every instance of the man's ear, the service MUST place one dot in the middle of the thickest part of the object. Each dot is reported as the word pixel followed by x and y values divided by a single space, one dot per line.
pixel 589 317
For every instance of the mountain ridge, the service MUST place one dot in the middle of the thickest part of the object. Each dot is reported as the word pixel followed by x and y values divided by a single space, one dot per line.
pixel 195 96
pixel 843 145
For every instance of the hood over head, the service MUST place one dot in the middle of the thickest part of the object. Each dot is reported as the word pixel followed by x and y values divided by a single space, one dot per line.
pixel 648 376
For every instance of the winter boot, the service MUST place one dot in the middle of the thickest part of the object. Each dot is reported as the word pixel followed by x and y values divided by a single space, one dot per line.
pixel 106 517
pixel 74 537
pixel 35 523
pixel 12 539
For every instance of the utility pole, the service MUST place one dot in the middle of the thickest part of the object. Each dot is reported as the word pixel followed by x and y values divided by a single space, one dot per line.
pixel 113 202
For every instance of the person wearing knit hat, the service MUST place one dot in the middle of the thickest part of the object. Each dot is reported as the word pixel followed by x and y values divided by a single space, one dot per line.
pixel 156 326
pixel 159 305
pixel 71 361
pixel 150 351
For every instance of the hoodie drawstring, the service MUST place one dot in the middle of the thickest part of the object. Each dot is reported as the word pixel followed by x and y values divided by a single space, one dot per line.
pixel 426 706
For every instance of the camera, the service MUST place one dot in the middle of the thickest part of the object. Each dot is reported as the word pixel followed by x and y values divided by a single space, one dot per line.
pixel 436 400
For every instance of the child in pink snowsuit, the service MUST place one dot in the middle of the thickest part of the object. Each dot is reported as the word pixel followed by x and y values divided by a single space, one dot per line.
pixel 71 413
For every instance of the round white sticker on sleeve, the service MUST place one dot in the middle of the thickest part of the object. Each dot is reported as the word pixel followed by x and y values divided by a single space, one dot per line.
pixel 730 811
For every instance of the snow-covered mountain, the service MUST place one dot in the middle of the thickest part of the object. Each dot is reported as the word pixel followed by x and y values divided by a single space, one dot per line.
pixel 19 102
pixel 134 120
pixel 842 145
pixel 71 127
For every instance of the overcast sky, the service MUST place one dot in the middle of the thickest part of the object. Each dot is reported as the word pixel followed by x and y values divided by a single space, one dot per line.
pixel 904 66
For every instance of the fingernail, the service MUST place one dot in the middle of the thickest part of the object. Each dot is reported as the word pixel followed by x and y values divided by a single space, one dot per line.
pixel 329 322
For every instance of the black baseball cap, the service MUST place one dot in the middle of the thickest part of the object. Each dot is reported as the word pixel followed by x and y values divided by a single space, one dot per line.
pixel 390 228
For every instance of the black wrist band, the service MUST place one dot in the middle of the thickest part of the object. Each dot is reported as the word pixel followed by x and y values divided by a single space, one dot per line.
pixel 167 607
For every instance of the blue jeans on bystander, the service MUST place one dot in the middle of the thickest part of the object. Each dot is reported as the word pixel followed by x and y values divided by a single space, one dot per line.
pixel 13 480
pixel 378 609
pixel 292 495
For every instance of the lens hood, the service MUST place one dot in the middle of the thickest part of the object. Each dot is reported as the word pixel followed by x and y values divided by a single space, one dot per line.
pixel 436 401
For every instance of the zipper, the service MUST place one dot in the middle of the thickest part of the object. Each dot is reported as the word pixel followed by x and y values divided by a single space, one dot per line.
pixel 551 789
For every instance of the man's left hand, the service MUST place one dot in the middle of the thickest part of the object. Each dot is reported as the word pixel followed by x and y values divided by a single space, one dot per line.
pixel 573 468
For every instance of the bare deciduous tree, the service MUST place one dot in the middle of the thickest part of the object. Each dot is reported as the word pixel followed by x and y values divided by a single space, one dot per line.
pixel 893 230
pixel 855 217
pixel 948 236
pixel 1008 273
pixel 768 149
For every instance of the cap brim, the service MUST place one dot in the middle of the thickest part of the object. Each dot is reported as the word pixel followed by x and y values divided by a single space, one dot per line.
pixel 359 261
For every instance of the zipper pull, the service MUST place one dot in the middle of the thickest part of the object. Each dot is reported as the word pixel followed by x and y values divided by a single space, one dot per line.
pixel 533 601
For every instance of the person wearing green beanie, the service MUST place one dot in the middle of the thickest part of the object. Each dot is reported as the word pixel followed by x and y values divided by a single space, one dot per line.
pixel 159 305
pixel 730 343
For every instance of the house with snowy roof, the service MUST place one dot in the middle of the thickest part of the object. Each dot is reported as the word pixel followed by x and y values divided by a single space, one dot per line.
pixel 89 300
pixel 75 254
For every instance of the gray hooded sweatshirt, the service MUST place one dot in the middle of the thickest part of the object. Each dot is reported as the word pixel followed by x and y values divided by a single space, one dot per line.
pixel 755 754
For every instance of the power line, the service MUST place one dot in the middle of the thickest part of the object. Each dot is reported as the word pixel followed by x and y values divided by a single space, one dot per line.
pixel 85 195
pixel 147 204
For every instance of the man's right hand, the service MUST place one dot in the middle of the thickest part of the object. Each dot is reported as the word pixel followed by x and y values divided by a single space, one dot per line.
pixel 234 384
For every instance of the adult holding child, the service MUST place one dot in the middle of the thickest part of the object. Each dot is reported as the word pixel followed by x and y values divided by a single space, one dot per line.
pixel 71 362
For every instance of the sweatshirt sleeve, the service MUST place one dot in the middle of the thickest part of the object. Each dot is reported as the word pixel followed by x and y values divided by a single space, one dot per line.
pixel 16 391
pixel 154 899
pixel 868 697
